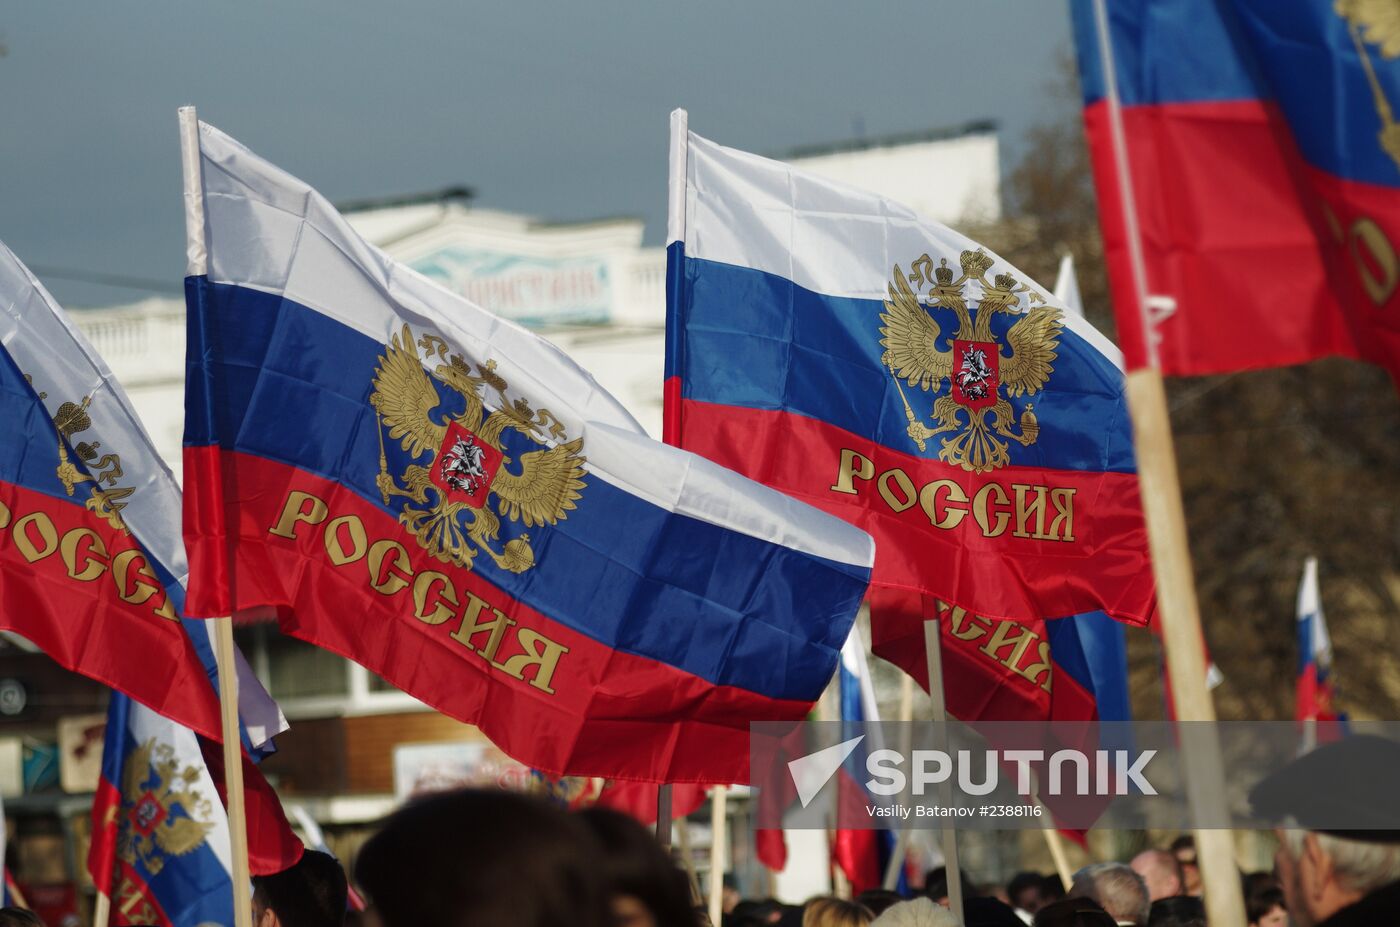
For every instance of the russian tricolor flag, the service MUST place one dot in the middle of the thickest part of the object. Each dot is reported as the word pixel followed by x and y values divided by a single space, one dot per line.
pixel 160 848
pixel 1314 702
pixel 1265 168
pixel 92 567
pixel 863 854
pixel 833 344
pixel 445 497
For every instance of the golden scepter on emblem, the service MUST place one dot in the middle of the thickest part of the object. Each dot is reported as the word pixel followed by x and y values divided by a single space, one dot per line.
pixel 917 430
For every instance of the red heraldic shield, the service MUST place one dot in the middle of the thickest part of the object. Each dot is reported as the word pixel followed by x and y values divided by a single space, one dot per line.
pixel 975 368
pixel 465 467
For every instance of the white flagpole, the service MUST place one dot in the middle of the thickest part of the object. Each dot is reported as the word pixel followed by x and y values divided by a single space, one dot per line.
pixel 933 652
pixel 197 264
pixel 1171 554
pixel 719 837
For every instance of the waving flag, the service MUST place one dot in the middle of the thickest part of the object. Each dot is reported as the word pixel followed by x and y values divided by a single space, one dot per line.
pixel 91 562
pixel 1314 652
pixel 446 498
pixel 1061 669
pixel 861 853
pixel 160 840
pixel 832 344
pixel 1265 165
pixel 1067 286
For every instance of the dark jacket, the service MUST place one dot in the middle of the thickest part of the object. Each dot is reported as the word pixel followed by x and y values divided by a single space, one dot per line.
pixel 1381 907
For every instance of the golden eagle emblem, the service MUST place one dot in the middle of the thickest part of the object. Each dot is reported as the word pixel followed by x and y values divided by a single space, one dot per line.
pixel 71 419
pixel 164 815
pixel 447 497
pixel 976 366
pixel 1376 22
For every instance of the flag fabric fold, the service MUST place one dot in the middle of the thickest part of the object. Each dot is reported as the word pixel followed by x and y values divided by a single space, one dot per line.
pixel 91 561
pixel 834 345
pixel 448 499
pixel 1061 669
pixel 1265 168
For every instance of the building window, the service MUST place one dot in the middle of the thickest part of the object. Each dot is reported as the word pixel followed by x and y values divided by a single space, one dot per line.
pixel 292 668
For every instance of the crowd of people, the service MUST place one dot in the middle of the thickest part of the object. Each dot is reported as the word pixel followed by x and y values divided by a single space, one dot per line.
pixel 1159 888
pixel 478 858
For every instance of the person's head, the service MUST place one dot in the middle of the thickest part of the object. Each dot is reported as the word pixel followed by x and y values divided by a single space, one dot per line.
pixel 1266 908
pixel 1073 912
pixel 990 912
pixel 920 912
pixel 763 912
pixel 1117 888
pixel 477 858
pixel 1026 891
pixel 1052 889
pixel 825 911
pixel 645 887
pixel 729 896
pixel 1184 849
pixel 1181 911
pixel 19 917
pixel 936 885
pixel 310 894
pixel 1323 873
pixel 1162 873
pixel 877 900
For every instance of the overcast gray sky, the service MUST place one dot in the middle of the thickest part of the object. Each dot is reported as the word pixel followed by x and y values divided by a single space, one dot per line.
pixel 557 109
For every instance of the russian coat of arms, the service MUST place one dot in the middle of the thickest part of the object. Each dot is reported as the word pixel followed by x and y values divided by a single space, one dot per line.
pixel 473 476
pixel 974 362
pixel 165 815
pixel 107 499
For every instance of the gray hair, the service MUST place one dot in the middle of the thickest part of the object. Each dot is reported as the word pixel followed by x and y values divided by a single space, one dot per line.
pixel 1361 865
pixel 1118 890
pixel 921 912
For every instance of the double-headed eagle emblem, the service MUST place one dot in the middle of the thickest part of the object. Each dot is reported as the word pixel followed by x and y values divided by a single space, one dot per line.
pixel 1376 22
pixel 447 497
pixel 98 469
pixel 973 362
pixel 165 816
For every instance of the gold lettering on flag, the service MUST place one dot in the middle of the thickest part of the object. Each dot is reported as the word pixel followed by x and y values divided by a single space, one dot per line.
pixel 1032 511
pixel 520 652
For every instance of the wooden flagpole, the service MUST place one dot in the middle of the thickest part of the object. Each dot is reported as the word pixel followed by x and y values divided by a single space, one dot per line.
pixel 101 910
pixel 663 816
pixel 933 652
pixel 1056 844
pixel 233 771
pixel 1171 557
pixel 197 264
pixel 719 837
